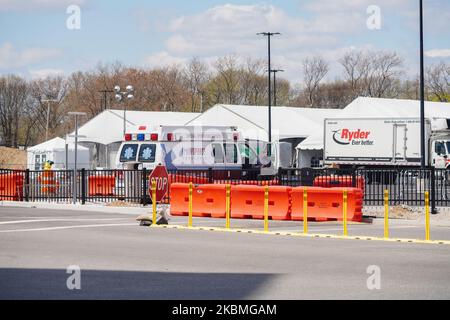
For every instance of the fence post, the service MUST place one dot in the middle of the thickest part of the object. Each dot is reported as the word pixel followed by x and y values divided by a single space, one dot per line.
pixel 386 213
pixel 144 187
pixel 305 211
pixel 210 175
pixel 344 215
pixel 153 188
pixel 27 185
pixel 83 186
pixel 227 205
pixel 266 209
pixel 427 216
pixel 190 206
pixel 354 177
pixel 433 190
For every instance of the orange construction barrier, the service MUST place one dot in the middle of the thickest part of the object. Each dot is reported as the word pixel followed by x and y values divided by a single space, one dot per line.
pixel 326 203
pixel 248 202
pixel 180 178
pixel 207 200
pixel 11 186
pixel 101 185
pixel 339 181
pixel 48 182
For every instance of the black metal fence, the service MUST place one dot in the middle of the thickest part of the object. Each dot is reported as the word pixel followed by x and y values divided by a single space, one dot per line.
pixel 405 186
pixel 100 186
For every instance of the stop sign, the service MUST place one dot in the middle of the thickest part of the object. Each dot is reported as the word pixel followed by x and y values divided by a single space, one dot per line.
pixel 160 175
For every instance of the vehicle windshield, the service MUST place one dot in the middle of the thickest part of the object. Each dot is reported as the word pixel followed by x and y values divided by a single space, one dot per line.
pixel 247 152
pixel 448 147
pixel 147 153
pixel 129 152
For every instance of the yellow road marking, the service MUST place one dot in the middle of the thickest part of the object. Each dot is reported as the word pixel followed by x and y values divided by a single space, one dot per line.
pixel 301 234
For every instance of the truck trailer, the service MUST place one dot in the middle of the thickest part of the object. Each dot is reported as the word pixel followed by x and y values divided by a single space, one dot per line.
pixel 385 143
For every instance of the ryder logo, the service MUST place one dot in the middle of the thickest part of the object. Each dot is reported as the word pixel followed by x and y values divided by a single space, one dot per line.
pixel 354 137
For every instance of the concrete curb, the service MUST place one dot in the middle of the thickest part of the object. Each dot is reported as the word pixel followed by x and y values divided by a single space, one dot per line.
pixel 77 207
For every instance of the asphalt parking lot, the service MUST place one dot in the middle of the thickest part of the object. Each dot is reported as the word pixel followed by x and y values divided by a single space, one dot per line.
pixel 121 260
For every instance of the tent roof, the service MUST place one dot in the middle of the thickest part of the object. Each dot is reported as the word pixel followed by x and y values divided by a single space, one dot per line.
pixel 364 107
pixel 287 122
pixel 55 144
pixel 107 127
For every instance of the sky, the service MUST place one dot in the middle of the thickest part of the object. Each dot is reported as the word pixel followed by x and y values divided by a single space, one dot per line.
pixel 40 38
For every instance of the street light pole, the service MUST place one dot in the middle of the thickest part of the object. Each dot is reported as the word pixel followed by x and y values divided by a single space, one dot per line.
pixel 422 92
pixel 275 85
pixel 120 95
pixel 269 35
pixel 74 193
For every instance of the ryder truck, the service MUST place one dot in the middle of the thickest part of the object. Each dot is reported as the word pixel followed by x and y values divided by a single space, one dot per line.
pixel 385 142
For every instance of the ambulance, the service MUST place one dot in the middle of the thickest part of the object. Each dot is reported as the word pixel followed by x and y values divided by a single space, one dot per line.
pixel 221 148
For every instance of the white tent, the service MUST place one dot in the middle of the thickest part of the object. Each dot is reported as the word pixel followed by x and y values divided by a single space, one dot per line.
pixel 364 107
pixel 103 133
pixel 287 122
pixel 107 127
pixel 55 150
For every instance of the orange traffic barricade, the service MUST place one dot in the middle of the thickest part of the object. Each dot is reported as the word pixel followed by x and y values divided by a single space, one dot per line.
pixel 339 182
pixel 326 203
pixel 48 182
pixel 207 200
pixel 248 202
pixel 180 178
pixel 101 185
pixel 11 186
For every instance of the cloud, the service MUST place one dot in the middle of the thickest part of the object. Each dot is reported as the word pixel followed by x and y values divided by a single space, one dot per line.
pixel 233 28
pixel 24 5
pixel 44 73
pixel 163 59
pixel 438 53
pixel 12 58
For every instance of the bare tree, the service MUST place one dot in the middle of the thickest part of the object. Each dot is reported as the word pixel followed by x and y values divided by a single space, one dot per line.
pixel 227 79
pixel 196 75
pixel 13 95
pixel 314 70
pixel 438 82
pixel 372 73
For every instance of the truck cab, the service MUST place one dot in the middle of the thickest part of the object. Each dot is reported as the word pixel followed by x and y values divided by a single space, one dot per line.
pixel 440 154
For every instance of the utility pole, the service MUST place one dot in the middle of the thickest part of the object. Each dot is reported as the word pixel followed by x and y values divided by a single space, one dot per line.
pixel 422 92
pixel 275 71
pixel 48 115
pixel 269 35
pixel 105 98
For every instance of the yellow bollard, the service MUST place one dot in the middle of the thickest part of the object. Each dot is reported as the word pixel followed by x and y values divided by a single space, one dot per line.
pixel 344 218
pixel 154 202
pixel 190 205
pixel 386 213
pixel 266 209
pixel 227 206
pixel 305 211
pixel 427 215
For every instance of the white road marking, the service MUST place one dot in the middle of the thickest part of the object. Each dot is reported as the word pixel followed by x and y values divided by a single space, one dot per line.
pixel 55 220
pixel 70 227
